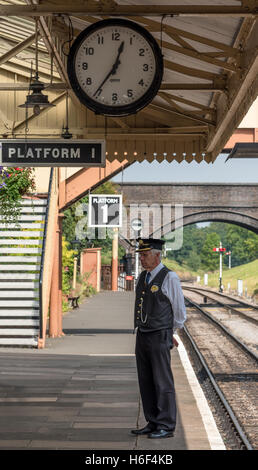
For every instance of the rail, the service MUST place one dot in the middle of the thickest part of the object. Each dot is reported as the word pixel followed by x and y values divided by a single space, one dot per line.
pixel 204 289
pixel 223 328
pixel 43 257
pixel 219 393
pixel 224 305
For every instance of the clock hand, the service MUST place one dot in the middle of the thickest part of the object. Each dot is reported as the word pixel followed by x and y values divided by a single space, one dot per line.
pixel 117 62
pixel 104 81
pixel 114 67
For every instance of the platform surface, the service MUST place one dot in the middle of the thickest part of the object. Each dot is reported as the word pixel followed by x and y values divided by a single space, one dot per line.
pixel 81 391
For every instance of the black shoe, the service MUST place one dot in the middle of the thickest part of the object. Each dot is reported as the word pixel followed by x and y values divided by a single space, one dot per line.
pixel 160 433
pixel 146 430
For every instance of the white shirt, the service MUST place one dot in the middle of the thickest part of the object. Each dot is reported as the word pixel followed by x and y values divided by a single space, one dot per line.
pixel 171 288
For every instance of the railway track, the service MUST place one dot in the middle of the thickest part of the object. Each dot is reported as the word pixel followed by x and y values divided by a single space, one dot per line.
pixel 225 301
pixel 229 312
pixel 230 368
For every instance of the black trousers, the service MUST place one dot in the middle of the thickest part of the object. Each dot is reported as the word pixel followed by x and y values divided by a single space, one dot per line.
pixel 155 378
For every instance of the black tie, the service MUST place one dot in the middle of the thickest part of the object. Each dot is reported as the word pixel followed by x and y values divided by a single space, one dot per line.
pixel 148 275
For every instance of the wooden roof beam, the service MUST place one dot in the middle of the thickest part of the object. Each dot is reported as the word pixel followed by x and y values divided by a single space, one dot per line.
pixel 23 69
pixel 112 9
pixel 158 137
pixel 20 32
pixel 25 86
pixel 203 87
pixel 168 112
pixel 136 133
pixel 16 49
pixel 155 114
pixel 242 91
pixel 155 26
pixel 185 101
pixel 182 42
pixel 46 35
pixel 187 49
pixel 113 133
pixel 200 56
pixel 181 112
pixel 192 72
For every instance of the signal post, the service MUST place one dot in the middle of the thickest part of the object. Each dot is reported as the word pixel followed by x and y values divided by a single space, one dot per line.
pixel 220 250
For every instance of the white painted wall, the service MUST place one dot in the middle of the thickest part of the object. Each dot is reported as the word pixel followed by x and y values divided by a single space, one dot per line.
pixel 251 118
pixel 42 176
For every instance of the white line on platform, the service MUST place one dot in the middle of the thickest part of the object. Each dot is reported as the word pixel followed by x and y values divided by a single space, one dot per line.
pixel 111 354
pixel 212 431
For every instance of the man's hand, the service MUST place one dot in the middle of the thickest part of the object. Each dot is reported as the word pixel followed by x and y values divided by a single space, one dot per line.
pixel 175 342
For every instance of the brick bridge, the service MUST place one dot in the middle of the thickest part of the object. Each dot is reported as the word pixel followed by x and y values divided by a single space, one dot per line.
pixel 163 207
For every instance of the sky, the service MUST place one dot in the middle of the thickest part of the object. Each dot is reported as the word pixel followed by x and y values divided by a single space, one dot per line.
pixel 233 171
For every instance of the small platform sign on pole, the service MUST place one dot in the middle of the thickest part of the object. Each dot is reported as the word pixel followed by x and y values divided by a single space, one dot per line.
pixel 52 152
pixel 105 210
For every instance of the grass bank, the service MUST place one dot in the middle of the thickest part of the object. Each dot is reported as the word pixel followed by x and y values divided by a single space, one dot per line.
pixel 182 271
pixel 247 272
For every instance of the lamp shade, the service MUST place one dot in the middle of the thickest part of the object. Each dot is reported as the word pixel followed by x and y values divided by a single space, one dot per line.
pixel 36 99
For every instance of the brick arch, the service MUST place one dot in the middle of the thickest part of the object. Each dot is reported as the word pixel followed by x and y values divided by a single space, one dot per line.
pixel 230 217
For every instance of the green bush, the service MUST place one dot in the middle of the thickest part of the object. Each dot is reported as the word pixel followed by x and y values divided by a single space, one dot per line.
pixel 67 263
pixel 83 287
pixel 14 183
pixel 65 305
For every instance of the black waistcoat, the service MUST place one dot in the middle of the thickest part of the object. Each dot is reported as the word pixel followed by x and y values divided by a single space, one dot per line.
pixel 153 310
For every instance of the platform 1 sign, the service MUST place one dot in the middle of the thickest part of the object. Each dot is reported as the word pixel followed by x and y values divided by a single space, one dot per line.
pixel 105 210
pixel 49 152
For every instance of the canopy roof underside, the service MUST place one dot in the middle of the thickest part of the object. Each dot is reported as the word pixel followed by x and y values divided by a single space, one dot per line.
pixel 210 50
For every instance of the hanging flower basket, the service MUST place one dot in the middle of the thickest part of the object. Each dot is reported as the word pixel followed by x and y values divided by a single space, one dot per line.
pixel 14 183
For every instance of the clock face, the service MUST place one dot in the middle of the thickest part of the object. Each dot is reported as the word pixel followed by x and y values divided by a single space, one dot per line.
pixel 115 67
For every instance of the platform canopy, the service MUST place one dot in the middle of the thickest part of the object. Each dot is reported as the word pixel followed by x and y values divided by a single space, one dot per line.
pixel 210 50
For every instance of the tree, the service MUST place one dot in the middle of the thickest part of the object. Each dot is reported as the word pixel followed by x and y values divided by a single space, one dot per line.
pixel 242 243
pixel 251 243
pixel 193 239
pixel 194 261
pixel 210 258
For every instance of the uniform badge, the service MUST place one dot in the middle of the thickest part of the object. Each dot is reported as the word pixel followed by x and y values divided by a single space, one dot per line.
pixel 154 288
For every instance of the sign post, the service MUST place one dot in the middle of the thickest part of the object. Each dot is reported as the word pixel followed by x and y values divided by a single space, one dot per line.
pixel 115 260
pixel 137 226
pixel 229 259
pixel 220 250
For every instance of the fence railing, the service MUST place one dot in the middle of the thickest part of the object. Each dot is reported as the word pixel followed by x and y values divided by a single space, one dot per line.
pixel 43 258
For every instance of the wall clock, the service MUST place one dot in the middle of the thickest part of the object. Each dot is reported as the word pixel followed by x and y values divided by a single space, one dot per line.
pixel 115 67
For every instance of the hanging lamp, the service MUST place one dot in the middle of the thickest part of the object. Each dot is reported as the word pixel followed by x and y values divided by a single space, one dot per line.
pixel 36 99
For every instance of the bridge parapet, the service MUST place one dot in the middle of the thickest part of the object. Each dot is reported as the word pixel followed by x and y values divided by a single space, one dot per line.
pixel 172 205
